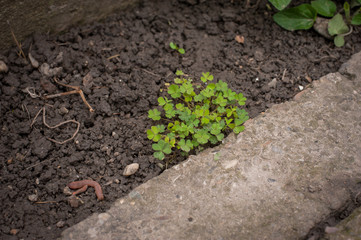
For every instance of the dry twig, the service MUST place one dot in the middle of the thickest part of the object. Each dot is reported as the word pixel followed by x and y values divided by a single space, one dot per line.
pixel 58 125
pixel 77 90
pixel 21 52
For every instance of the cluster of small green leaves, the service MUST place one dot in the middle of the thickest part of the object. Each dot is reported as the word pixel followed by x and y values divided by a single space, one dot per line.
pixel 304 16
pixel 174 46
pixel 197 114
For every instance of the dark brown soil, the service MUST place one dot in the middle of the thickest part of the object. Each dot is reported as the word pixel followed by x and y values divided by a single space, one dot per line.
pixel 121 64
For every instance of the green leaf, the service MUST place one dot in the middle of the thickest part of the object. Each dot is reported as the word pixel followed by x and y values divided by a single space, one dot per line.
pixel 221 86
pixel 162 146
pixel 154 114
pixel 170 113
pixel 159 155
pixel 220 136
pixel 161 101
pixel 337 25
pixel 206 77
pixel 356 20
pixel 185 145
pixel 238 129
pixel 280 4
pixel 300 17
pixel 179 73
pixel 181 51
pixel 221 101
pixel 153 133
pixel 339 41
pixel 326 8
pixel 173 90
pixel 180 106
pixel 172 45
pixel 202 136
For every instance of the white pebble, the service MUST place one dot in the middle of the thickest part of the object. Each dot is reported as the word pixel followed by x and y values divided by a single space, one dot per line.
pixel 131 169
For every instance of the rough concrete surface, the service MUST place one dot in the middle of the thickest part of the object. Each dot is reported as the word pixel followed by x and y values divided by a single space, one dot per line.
pixel 28 17
pixel 290 169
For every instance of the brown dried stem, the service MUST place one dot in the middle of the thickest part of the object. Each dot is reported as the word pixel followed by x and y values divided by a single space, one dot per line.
pixel 58 125
pixel 77 90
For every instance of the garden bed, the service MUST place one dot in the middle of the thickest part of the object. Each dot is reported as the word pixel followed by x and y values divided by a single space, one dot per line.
pixel 121 65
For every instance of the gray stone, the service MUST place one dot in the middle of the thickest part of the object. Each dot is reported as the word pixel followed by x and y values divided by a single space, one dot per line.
pixel 289 169
pixel 33 197
pixel 3 67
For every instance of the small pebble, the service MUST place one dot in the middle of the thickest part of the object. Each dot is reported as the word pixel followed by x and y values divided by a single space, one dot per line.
pixel 3 67
pixel 33 198
pixel 63 110
pixel 67 191
pixel 60 224
pixel 131 169
pixel 300 87
pixel 33 61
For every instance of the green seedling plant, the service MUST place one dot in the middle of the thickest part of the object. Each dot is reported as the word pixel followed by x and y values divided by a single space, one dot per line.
pixel 303 17
pixel 196 113
pixel 174 46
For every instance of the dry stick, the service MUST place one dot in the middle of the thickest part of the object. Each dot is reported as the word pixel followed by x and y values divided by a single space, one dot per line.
pixel 36 116
pixel 77 90
pixel 34 165
pixel 16 42
pixel 58 125
pixel 114 56
pixel 27 111
pixel 284 74
pixel 46 202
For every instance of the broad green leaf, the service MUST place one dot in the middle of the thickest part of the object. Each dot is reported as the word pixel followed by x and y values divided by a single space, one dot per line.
pixel 173 90
pixel 220 136
pixel 159 155
pixel 172 45
pixel 356 20
pixel 238 129
pixel 280 4
pixel 297 18
pixel 221 86
pixel 161 101
pixel 337 25
pixel 213 139
pixel 162 146
pixel 154 114
pixel 179 106
pixel 326 8
pixel 339 41
pixel 181 51
pixel 202 136
pixel 170 113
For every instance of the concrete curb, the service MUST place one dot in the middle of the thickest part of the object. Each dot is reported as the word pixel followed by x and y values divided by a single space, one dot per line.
pixel 290 169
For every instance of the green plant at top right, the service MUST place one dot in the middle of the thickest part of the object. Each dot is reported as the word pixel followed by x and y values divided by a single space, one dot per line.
pixel 196 113
pixel 304 17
